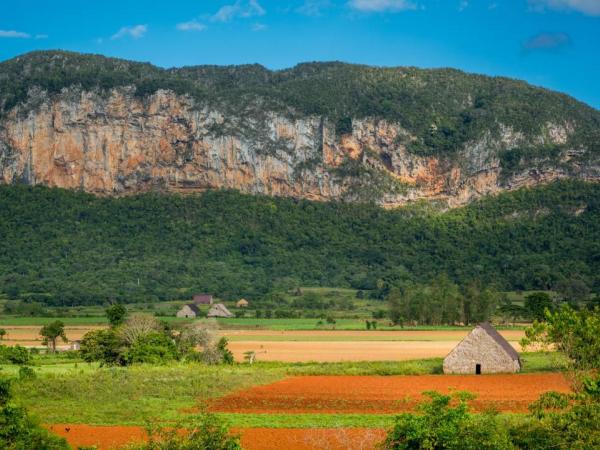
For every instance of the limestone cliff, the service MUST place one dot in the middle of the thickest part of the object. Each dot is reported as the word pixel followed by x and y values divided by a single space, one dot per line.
pixel 116 142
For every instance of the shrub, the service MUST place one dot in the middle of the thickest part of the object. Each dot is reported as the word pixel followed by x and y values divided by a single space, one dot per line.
pixel 209 433
pixel 226 355
pixel 443 426
pixel 116 314
pixel 14 355
pixel 26 373
pixel 18 431
pixel 105 346
pixel 152 348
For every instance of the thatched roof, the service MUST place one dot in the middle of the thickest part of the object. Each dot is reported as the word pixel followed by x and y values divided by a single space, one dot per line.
pixel 193 307
pixel 219 310
pixel 491 331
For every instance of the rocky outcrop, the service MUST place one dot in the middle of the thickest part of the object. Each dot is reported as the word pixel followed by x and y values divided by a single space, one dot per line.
pixel 119 143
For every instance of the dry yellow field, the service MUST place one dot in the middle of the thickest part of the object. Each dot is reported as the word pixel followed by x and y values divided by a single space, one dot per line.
pixel 307 345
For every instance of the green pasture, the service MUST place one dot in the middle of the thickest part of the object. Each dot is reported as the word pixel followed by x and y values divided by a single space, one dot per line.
pixel 71 391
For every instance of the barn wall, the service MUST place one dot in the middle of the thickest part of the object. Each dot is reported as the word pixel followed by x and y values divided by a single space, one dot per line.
pixel 479 348
pixel 186 311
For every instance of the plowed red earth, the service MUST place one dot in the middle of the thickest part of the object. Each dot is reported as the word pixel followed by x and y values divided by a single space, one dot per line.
pixel 110 437
pixel 387 394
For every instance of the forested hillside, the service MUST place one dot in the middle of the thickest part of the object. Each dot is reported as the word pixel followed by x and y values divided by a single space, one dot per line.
pixel 63 247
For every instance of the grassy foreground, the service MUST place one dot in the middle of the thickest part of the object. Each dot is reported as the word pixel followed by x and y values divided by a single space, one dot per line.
pixel 75 392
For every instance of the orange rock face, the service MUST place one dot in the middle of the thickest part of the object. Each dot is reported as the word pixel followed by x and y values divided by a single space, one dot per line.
pixel 120 144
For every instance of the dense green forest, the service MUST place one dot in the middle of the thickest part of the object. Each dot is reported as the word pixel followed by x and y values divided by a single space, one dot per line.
pixel 443 108
pixel 62 247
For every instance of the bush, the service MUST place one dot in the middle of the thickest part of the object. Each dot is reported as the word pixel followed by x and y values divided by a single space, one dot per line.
pixel 210 433
pixel 226 355
pixel 14 355
pixel 443 426
pixel 18 431
pixel 152 348
pixel 26 373
pixel 105 346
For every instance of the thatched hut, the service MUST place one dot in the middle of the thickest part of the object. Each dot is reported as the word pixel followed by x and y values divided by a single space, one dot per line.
pixel 219 310
pixel 243 303
pixel 189 311
pixel 484 350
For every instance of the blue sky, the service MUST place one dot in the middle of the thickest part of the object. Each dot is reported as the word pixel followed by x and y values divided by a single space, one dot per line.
pixel 552 43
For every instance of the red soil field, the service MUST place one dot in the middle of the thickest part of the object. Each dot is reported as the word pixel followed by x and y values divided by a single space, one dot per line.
pixel 110 437
pixel 387 394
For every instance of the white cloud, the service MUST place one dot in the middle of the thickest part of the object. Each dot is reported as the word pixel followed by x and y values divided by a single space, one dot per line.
pixel 259 27
pixel 381 5
pixel 14 34
pixel 135 32
pixel 590 7
pixel 313 7
pixel 243 9
pixel 547 41
pixel 192 25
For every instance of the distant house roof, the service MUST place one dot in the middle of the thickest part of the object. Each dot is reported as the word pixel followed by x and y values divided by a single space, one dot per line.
pixel 509 349
pixel 219 310
pixel 203 299
pixel 193 308
pixel 242 302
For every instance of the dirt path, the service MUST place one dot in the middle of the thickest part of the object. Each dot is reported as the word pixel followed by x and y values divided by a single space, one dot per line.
pixel 390 394
pixel 111 437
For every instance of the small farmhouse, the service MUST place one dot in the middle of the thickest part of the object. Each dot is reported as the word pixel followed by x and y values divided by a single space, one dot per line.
pixel 202 299
pixel 188 311
pixel 243 303
pixel 484 350
pixel 219 310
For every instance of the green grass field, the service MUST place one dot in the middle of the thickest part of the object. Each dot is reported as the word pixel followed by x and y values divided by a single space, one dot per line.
pixel 247 323
pixel 67 391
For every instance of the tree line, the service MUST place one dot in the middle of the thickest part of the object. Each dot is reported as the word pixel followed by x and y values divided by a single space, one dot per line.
pixel 62 248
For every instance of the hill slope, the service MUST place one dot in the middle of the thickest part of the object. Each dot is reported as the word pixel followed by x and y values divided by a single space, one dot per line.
pixel 66 248
pixel 322 131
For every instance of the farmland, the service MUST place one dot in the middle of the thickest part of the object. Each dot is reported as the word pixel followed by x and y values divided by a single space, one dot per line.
pixel 108 406
pixel 311 386
pixel 307 345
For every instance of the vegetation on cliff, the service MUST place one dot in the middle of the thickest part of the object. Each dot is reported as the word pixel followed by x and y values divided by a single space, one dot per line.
pixel 61 247
pixel 442 108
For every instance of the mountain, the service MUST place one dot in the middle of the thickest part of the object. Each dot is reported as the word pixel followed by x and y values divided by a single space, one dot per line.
pixel 319 131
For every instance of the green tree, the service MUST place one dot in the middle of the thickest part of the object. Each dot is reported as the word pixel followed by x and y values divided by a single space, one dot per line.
pixel 395 310
pixel 442 426
pixel 18 431
pixel 574 333
pixel 52 332
pixel 14 355
pixel 536 304
pixel 3 333
pixel 479 303
pixel 116 314
pixel 226 355
pixel 573 289
pixel 104 346
pixel 152 348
